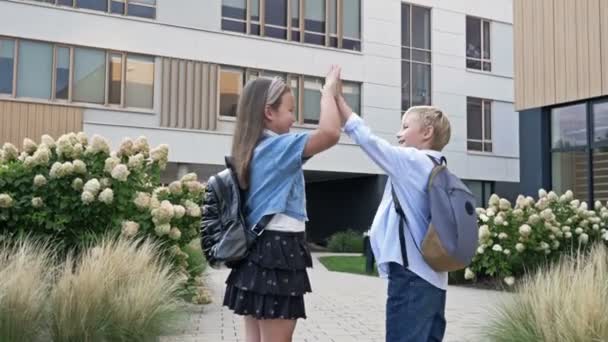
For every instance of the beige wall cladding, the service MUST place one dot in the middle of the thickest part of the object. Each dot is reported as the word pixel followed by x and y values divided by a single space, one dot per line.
pixel 189 94
pixel 560 51
pixel 19 120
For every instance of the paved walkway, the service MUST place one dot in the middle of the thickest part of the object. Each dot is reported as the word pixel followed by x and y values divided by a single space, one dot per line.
pixel 343 307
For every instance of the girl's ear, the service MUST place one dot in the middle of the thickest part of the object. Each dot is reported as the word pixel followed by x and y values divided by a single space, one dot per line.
pixel 268 113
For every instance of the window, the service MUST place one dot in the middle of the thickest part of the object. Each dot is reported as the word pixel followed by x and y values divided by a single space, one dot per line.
pixel 115 79
pixel 134 8
pixel 478 44
pixel 415 56
pixel 34 69
pixel 7 65
pixel 479 124
pixel 482 190
pixel 275 25
pixel 312 100
pixel 139 91
pixel 62 73
pixel 231 85
pixel 332 23
pixel 89 75
pixel 306 91
pixel 314 22
pixel 57 72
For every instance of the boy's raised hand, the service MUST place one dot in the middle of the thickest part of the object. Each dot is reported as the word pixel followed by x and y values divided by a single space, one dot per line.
pixel 343 108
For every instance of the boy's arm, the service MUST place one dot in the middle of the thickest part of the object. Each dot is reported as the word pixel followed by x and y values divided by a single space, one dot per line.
pixel 385 155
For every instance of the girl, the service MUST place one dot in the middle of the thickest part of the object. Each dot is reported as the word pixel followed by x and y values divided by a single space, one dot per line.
pixel 267 288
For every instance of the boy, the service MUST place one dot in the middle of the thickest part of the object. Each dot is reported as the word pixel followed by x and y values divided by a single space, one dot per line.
pixel 415 308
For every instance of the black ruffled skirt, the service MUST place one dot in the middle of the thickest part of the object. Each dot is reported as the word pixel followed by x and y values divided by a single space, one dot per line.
pixel 271 282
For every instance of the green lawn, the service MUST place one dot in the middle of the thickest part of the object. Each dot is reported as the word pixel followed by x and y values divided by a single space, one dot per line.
pixel 348 264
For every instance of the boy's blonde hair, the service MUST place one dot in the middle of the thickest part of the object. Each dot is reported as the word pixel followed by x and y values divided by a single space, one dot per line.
pixel 434 117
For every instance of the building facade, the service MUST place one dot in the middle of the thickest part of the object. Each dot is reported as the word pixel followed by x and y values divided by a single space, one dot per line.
pixel 561 93
pixel 173 70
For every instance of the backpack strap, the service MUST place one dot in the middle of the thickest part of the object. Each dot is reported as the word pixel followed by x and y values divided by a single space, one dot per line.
pixel 402 222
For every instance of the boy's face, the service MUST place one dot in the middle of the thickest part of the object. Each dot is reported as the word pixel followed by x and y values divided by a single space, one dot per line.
pixel 413 133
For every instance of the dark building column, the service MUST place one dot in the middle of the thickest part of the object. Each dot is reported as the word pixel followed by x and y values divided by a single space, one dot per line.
pixel 534 151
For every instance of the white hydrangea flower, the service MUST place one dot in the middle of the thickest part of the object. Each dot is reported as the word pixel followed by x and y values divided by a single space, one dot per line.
pixel 120 172
pixel 520 247
pixel 575 203
pixel 484 218
pixel 129 228
pixel 551 237
pixel 499 220
pixel 126 148
pixel 569 195
pixel 484 232
pixel 179 211
pixel 552 196
pixel 194 187
pixel 547 214
pixel 565 229
pixel 161 191
pixel 509 281
pixel 77 184
pixel 106 196
pixel 468 274
pixel 542 193
pixel 164 213
pixel 494 200
pixel 77 151
pixel 555 244
pixel 37 202
pixel 525 230
pixel 42 156
pixel 504 204
pixel 578 231
pixel 605 236
pixel 490 212
pixel 597 205
pixel 140 145
pixel 6 201
pixel 98 145
pixel 29 146
pixel 595 227
pixel 87 197
pixel 142 200
pixel 56 171
pixel 518 213
pixel 583 206
pixel 162 229
pixel 189 177
pixel 39 181
pixel 92 186
pixel 533 219
pixel 48 140
pixel 79 166
pixel 192 209
pixel 480 250
pixel 175 187
pixel 568 235
pixel 584 238
pixel 160 155
pixel 110 164
pixel 543 245
pixel 497 248
pixel 175 233
pixel 154 202
pixel 10 152
pixel 507 252
pixel 82 138
pixel 136 161
pixel 67 168
pixel 502 236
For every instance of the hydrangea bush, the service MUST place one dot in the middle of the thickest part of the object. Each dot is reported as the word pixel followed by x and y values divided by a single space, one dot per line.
pixel 74 190
pixel 515 239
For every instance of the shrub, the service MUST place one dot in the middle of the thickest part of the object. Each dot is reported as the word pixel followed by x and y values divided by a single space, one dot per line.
pixel 346 242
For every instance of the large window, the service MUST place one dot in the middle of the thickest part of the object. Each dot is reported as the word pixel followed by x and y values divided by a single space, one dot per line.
pixel 579 145
pixel 479 124
pixel 305 89
pixel 133 8
pixel 62 73
pixel 35 70
pixel 478 44
pixel 415 56
pixel 7 65
pixel 482 190
pixel 333 23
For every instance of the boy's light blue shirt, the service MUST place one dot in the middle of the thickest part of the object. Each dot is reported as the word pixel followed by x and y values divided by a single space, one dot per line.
pixel 276 179
pixel 408 170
